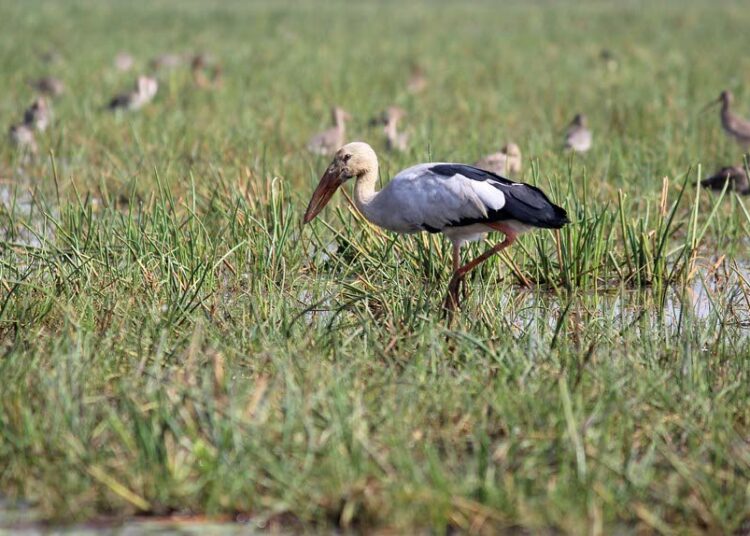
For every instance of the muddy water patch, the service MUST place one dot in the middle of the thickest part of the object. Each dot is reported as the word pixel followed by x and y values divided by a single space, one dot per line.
pixel 705 300
pixel 23 222
pixel 16 514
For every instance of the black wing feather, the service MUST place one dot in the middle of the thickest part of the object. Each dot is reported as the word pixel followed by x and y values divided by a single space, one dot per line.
pixel 736 177
pixel 119 101
pixel 523 202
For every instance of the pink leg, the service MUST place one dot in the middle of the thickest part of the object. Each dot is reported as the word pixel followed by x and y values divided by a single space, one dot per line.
pixel 456 256
pixel 452 301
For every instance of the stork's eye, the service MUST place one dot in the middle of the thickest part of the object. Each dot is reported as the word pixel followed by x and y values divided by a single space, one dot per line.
pixel 347 157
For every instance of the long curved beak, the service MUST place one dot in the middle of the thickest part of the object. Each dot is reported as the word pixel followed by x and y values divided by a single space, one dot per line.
pixel 329 183
pixel 710 104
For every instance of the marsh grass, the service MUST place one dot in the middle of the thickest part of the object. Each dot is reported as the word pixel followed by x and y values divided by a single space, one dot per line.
pixel 173 341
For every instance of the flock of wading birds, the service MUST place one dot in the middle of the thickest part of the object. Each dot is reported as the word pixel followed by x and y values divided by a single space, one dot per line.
pixel 463 202
pixel 206 74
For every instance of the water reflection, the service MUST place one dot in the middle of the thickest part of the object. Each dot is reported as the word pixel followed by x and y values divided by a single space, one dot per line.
pixel 721 298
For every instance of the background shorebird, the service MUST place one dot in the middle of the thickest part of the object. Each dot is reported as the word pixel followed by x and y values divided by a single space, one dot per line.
pixel 735 126
pixel 328 141
pixel 460 201
pixel 577 136
pixel 48 85
pixel 143 93
pixel 124 61
pixel 207 74
pixel 22 137
pixel 37 116
pixel 51 56
pixel 395 140
pixel 505 162
pixel 417 82
pixel 735 175
pixel 167 60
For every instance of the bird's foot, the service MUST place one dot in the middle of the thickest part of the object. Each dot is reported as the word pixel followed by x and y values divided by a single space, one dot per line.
pixel 452 300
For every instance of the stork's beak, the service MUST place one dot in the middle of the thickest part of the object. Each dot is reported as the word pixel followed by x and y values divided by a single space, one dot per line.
pixel 329 183
pixel 710 104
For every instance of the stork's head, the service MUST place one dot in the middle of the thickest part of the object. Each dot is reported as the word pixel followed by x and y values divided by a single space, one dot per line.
pixel 353 160
pixel 511 149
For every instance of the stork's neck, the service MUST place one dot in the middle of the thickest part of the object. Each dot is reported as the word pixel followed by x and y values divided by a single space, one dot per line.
pixel 364 192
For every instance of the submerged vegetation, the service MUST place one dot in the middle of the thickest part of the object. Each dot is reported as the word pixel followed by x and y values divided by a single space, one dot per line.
pixel 172 341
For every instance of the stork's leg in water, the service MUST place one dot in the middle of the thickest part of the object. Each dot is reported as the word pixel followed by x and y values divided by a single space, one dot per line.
pixel 453 295
pixel 452 298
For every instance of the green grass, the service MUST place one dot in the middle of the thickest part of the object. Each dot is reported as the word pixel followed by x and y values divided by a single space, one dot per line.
pixel 173 341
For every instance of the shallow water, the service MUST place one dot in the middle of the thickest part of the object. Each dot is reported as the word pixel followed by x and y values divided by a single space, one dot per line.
pixel 22 223
pixel 20 518
pixel 15 514
pixel 720 295
pixel 723 299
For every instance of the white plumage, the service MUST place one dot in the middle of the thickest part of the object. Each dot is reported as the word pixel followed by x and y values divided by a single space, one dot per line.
pixel 460 201
pixel 417 199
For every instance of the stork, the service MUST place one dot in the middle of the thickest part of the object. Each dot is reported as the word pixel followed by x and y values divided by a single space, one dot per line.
pixel 458 200
pixel 734 126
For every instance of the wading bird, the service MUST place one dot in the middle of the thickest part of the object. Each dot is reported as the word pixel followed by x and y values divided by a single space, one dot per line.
pixel 207 74
pixel 37 116
pixel 417 82
pixel 507 161
pixel 124 61
pixel 328 141
pixel 143 93
pixel 735 175
pixel 461 201
pixel 577 136
pixel 168 60
pixel 395 140
pixel 48 85
pixel 22 137
pixel 51 56
pixel 735 126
